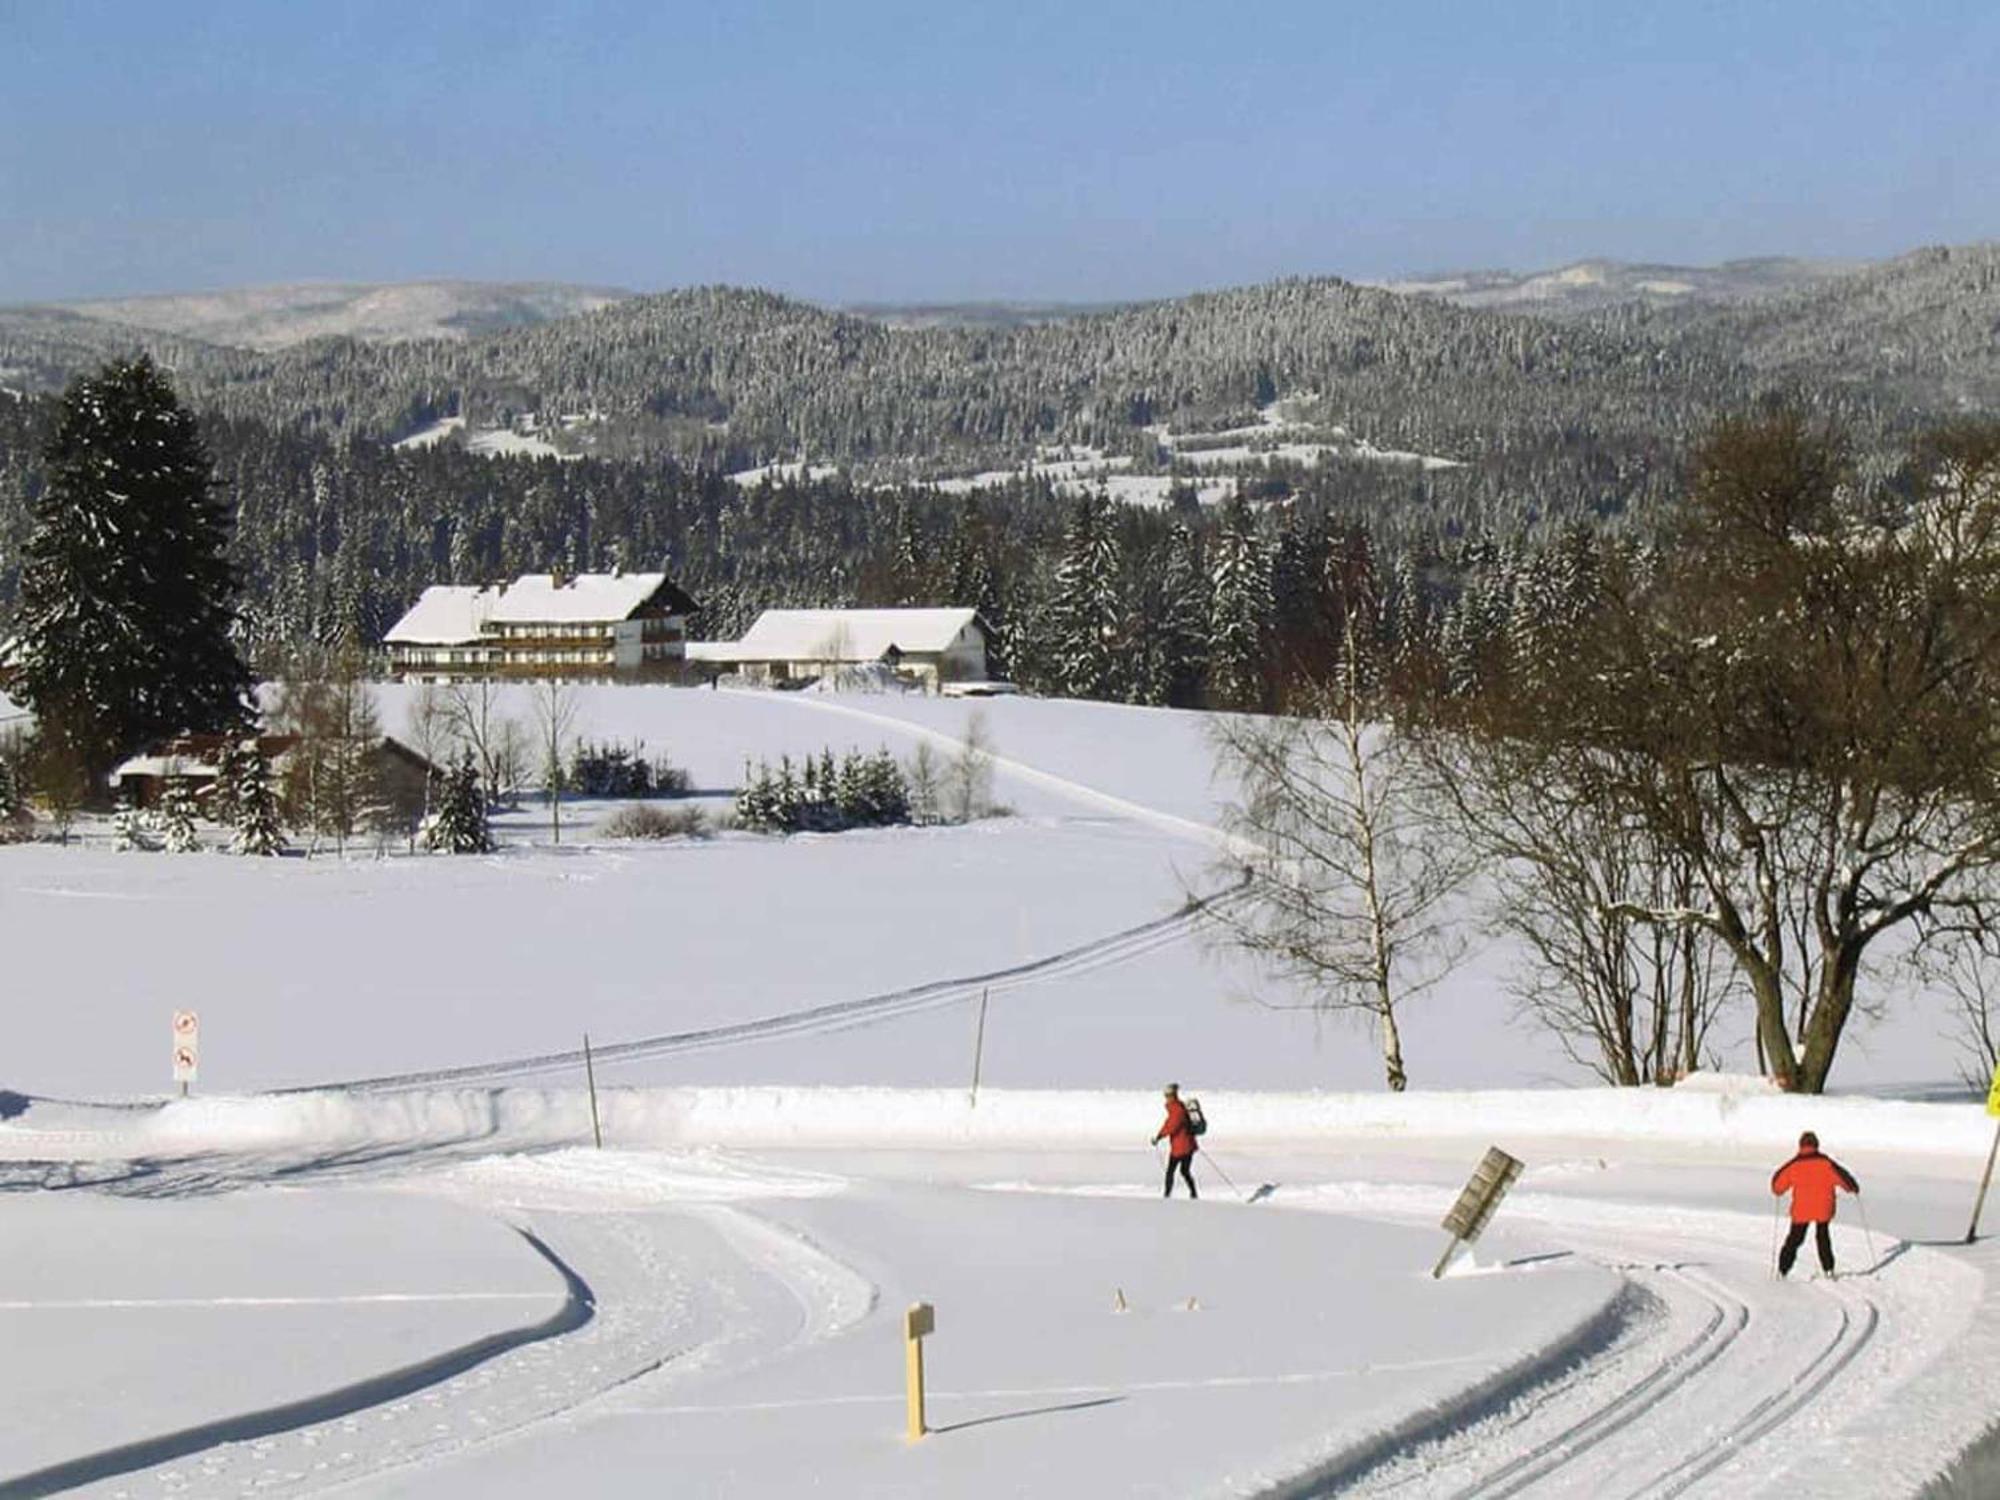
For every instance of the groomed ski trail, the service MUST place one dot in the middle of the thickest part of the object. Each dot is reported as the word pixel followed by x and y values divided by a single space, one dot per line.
pixel 1734 1379
pixel 673 1292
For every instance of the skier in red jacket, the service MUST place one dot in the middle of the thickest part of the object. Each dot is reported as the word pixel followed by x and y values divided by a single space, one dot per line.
pixel 1179 1136
pixel 1812 1180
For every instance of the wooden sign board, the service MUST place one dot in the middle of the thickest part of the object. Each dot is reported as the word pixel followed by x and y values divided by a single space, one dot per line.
pixel 1489 1183
pixel 919 1321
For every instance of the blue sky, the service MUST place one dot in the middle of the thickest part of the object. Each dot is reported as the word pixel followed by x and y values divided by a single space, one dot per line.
pixel 876 150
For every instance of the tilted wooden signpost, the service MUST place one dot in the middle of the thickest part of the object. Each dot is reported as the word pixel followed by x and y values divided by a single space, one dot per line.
pixel 1986 1178
pixel 920 1320
pixel 1494 1175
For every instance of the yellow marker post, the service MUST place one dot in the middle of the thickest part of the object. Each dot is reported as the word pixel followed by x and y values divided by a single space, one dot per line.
pixel 1986 1179
pixel 920 1320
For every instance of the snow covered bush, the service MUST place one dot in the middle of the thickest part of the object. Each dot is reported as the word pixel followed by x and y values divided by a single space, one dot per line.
pixel 611 770
pixel 640 821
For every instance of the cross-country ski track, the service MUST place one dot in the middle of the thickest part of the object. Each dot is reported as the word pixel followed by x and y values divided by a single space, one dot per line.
pixel 725 1274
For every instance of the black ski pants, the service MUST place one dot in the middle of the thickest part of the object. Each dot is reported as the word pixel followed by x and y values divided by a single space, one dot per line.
pixel 1823 1242
pixel 1186 1164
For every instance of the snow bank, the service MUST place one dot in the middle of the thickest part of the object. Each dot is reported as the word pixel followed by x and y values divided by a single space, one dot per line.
pixel 754 1118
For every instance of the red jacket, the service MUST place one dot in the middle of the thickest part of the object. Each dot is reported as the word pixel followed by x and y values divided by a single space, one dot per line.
pixel 1811 1180
pixel 1180 1138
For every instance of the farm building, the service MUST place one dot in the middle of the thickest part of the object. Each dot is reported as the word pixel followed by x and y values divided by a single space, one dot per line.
pixel 400 776
pixel 924 648
pixel 591 625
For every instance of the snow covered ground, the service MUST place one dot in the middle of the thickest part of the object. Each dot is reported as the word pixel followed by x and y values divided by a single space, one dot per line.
pixel 413 1275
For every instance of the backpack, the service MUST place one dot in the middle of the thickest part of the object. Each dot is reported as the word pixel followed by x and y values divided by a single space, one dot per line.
pixel 1197 1122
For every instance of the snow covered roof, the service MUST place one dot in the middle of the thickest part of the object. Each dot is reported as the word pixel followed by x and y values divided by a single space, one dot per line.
pixel 444 615
pixel 199 756
pixel 534 597
pixel 847 634
pixel 455 614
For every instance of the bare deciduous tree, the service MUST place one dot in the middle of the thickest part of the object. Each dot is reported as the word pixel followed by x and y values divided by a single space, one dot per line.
pixel 1631 1001
pixel 473 711
pixel 1350 877
pixel 926 779
pixel 556 708
pixel 968 781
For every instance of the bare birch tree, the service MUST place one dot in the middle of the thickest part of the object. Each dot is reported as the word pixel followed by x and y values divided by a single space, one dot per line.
pixel 555 705
pixel 1350 879
pixel 968 779
pixel 473 711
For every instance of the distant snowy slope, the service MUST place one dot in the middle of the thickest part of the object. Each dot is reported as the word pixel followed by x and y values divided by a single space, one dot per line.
pixel 275 317
pixel 1586 286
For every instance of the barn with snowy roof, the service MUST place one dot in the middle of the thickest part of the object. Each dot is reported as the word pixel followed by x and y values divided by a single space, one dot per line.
pixel 925 648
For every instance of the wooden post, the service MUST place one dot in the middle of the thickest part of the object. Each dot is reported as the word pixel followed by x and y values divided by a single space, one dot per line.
pixel 1985 1180
pixel 918 1321
pixel 978 1048
pixel 590 1077
pixel 1437 1271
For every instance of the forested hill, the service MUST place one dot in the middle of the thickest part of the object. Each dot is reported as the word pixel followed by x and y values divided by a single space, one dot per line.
pixel 1920 333
pixel 692 372
pixel 730 376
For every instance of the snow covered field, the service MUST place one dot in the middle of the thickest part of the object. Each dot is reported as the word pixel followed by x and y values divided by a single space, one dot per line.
pixel 423 1281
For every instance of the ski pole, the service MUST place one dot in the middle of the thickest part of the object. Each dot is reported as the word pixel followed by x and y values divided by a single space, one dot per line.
pixel 1776 1211
pixel 1225 1177
pixel 1861 1204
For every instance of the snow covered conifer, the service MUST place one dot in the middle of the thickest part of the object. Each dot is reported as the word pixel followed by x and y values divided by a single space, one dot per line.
pixel 887 793
pixel 129 830
pixel 1183 627
pixel 460 826
pixel 259 830
pixel 1240 612
pixel 1086 611
pixel 756 804
pixel 127 594
pixel 177 817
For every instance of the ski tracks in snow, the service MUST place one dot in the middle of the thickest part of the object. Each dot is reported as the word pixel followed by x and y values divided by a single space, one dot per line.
pixel 673 1291
pixel 1721 1380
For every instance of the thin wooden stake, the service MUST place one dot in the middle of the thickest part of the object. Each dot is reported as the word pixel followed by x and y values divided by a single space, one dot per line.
pixel 1985 1182
pixel 978 1048
pixel 590 1076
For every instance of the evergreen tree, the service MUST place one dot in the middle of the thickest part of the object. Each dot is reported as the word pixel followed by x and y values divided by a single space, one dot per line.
pixel 129 830
pixel 460 826
pixel 1239 612
pixel 1184 621
pixel 757 802
pixel 225 796
pixel 887 792
pixel 177 817
pixel 259 830
pixel 1086 613
pixel 127 596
